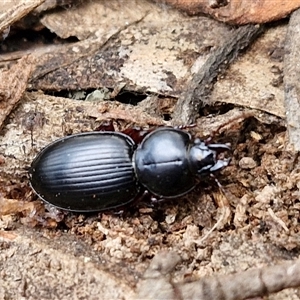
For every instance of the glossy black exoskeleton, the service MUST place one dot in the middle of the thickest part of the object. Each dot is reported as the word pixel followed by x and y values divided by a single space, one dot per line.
pixel 104 170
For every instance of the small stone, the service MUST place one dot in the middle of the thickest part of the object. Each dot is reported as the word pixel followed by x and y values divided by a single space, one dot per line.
pixel 247 163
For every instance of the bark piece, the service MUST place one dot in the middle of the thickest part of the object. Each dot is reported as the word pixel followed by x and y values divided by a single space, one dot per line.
pixel 291 80
pixel 13 83
pixel 13 10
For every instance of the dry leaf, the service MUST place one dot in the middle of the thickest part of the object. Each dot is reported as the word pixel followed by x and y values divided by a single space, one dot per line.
pixel 95 18
pixel 255 80
pixel 238 11
pixel 148 53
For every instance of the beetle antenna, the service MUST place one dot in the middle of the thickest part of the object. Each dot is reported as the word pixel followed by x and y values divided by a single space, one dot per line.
pixel 217 182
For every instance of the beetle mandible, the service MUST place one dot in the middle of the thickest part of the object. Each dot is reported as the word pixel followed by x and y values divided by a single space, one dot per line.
pixel 105 170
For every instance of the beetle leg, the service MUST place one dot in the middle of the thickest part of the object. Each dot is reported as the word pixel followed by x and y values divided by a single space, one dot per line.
pixel 137 133
pixel 180 127
pixel 148 199
pixel 106 126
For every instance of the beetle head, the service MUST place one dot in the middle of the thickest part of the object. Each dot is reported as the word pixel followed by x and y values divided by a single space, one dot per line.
pixel 204 158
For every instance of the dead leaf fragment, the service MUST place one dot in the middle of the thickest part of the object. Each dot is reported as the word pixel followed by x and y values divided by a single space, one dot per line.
pixel 255 80
pixel 239 11
pixel 144 53
pixel 94 18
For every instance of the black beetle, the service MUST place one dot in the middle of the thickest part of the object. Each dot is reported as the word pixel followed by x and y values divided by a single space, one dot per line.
pixel 98 171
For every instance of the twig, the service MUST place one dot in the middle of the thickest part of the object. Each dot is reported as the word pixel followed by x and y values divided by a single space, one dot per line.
pixel 198 91
pixel 157 283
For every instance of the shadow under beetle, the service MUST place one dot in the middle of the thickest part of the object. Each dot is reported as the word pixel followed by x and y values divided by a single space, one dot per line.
pixel 104 170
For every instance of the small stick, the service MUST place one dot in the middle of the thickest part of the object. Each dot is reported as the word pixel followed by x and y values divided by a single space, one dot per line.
pixel 197 93
pixel 157 282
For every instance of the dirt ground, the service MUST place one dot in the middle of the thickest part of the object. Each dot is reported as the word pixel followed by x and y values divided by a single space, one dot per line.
pixel 251 222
